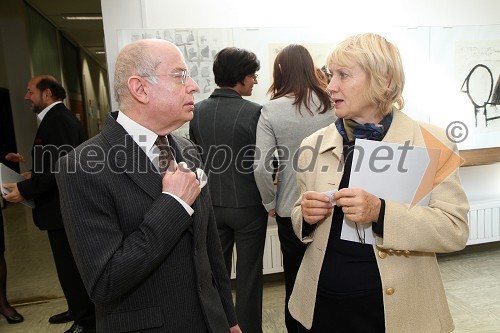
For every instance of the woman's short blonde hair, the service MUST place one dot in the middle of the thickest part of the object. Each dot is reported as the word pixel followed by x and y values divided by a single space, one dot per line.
pixel 381 61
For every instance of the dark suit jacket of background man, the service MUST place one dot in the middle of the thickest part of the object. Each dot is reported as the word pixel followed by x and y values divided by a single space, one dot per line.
pixel 58 133
pixel 231 184
pixel 178 281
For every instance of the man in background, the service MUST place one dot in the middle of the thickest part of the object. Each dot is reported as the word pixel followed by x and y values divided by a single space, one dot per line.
pixel 224 127
pixel 58 133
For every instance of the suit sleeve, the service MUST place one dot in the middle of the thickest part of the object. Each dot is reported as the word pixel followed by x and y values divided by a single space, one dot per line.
pixel 266 145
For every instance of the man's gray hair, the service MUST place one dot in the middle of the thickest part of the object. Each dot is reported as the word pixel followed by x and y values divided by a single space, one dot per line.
pixel 134 59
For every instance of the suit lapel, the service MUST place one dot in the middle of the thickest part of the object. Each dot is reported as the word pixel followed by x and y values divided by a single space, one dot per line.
pixel 127 157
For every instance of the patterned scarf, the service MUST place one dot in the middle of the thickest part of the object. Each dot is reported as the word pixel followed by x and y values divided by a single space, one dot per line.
pixel 350 130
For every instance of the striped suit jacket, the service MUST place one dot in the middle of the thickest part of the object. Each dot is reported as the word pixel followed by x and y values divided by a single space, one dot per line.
pixel 146 263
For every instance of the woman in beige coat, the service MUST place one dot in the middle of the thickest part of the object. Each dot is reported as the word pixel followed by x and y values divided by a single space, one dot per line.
pixel 393 285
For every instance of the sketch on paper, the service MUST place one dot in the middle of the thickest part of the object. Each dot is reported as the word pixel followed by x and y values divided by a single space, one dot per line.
pixel 199 47
pixel 478 86
pixel 480 62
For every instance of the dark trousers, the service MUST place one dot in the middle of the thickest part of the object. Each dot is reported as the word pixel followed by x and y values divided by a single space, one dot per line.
pixel 293 250
pixel 80 306
pixel 362 313
pixel 247 228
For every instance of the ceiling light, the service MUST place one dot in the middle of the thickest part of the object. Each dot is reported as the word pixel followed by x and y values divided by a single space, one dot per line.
pixel 100 52
pixel 82 17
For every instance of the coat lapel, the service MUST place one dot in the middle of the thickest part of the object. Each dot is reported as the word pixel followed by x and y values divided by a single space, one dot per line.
pixel 127 157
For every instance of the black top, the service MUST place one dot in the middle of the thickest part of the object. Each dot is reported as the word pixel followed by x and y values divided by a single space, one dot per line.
pixel 349 268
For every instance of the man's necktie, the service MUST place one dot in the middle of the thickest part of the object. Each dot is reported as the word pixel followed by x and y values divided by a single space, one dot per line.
pixel 165 157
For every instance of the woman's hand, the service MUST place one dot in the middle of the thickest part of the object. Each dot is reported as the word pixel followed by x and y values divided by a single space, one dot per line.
pixel 315 206
pixel 358 205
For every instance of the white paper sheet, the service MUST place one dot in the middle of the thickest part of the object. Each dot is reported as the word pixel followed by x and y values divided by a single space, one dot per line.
pixel 390 171
pixel 7 175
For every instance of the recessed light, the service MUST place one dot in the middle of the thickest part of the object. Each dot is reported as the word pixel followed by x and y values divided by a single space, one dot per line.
pixel 82 17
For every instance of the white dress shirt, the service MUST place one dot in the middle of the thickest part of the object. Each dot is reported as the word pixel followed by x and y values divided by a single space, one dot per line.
pixel 146 138
pixel 42 114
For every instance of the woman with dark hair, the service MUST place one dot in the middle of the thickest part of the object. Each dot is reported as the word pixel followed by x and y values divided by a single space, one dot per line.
pixel 223 127
pixel 299 106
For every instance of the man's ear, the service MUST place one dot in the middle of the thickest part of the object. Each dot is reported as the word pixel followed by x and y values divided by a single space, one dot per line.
pixel 138 89
pixel 47 95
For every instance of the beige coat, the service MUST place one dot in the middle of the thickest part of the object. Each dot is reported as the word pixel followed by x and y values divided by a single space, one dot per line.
pixel 414 297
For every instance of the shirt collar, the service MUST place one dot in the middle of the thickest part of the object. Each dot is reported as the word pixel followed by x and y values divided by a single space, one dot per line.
pixel 42 114
pixel 144 137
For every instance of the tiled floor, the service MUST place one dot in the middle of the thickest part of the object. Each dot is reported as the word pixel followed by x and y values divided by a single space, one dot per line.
pixel 471 277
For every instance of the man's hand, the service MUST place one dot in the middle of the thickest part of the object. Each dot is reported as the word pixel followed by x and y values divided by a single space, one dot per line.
pixel 182 183
pixel 315 206
pixel 272 213
pixel 26 175
pixel 358 205
pixel 235 329
pixel 14 195
pixel 14 157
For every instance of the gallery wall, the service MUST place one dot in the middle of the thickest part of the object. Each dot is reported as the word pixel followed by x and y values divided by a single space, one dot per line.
pixel 259 24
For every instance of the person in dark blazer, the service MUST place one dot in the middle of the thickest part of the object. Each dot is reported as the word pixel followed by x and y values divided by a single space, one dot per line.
pixel 146 243
pixel 224 127
pixel 59 131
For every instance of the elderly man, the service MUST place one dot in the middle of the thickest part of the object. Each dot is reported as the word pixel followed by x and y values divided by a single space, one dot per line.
pixel 141 227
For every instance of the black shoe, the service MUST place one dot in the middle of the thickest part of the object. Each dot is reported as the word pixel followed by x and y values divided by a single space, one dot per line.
pixel 80 329
pixel 61 318
pixel 14 319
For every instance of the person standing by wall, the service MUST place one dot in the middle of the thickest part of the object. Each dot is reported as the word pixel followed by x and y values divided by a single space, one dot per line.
pixel 58 133
pixel 299 106
pixel 223 127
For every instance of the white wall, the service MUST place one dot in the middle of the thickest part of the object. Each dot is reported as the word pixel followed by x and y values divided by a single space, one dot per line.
pixel 330 18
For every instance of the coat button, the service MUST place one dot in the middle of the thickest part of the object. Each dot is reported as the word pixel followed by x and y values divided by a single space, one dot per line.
pixel 389 291
pixel 382 254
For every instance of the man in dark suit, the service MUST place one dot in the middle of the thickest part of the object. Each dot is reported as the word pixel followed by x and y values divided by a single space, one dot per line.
pixel 58 133
pixel 146 242
pixel 224 127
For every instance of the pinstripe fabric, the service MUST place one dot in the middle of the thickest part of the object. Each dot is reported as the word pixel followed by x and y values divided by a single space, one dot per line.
pixel 145 262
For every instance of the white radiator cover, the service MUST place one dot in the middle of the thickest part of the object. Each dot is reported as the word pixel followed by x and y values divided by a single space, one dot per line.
pixel 273 260
pixel 484 222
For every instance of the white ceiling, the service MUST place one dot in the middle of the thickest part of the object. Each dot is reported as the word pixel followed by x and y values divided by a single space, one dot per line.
pixel 89 35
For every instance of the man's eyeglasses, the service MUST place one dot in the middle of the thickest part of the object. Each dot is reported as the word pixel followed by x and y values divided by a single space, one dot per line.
pixel 254 76
pixel 184 74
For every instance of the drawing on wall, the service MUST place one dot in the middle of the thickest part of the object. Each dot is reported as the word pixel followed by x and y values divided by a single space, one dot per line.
pixel 478 63
pixel 478 86
pixel 199 47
